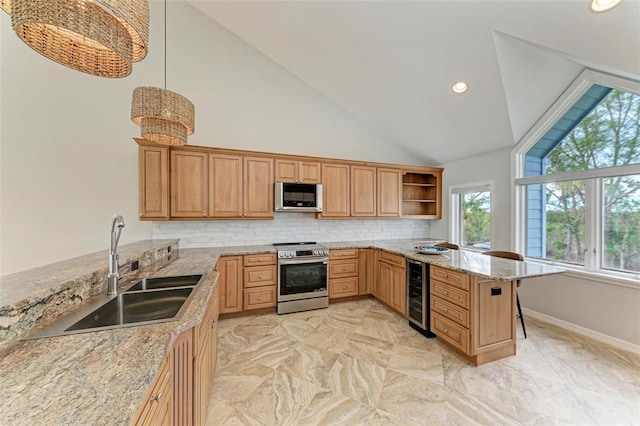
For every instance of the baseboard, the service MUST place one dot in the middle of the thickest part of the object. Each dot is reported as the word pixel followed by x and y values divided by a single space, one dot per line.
pixel 596 335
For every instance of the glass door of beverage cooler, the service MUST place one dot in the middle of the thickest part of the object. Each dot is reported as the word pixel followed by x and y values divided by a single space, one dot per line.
pixel 418 297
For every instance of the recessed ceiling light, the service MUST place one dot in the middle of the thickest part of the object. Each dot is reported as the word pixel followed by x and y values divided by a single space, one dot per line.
pixel 602 5
pixel 460 87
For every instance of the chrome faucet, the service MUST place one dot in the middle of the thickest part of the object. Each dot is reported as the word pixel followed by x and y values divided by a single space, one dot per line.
pixel 112 278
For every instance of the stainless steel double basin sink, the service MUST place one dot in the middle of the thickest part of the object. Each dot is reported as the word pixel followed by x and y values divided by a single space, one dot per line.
pixel 147 301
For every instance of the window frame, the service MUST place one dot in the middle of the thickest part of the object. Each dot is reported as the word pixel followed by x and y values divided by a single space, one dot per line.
pixel 455 220
pixel 593 180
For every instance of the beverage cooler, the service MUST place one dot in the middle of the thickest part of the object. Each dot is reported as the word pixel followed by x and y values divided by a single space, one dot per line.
pixel 418 297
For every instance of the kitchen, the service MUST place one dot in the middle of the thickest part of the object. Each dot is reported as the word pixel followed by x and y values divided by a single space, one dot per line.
pixel 66 175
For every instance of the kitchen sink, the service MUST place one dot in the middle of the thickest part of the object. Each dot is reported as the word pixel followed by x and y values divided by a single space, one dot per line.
pixel 128 308
pixel 153 283
pixel 149 301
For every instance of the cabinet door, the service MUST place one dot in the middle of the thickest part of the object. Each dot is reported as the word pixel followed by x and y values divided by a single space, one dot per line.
pixel 258 187
pixel 230 282
pixel 309 172
pixel 201 383
pixel 384 281
pixel 389 192
pixel 366 275
pixel 286 170
pixel 153 182
pixel 335 181
pixel 363 191
pixel 225 185
pixel 398 293
pixel 189 184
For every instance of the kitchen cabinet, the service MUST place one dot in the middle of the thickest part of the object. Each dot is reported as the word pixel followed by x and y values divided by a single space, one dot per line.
pixel 260 280
pixel 258 187
pixel 335 182
pixel 392 281
pixel 230 282
pixel 225 186
pixel 183 379
pixel 343 273
pixel 366 272
pixel 363 191
pixel 472 315
pixel 389 190
pixel 153 182
pixel 157 408
pixel 298 171
pixel 422 194
pixel 189 184
pixel 204 362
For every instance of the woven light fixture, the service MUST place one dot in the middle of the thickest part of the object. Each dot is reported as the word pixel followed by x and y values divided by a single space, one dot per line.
pixel 100 37
pixel 164 117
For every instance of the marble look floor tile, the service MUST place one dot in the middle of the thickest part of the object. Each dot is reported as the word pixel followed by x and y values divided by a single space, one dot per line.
pixel 280 400
pixel 417 363
pixel 357 379
pixel 413 400
pixel 330 408
pixel 311 364
pixel 343 365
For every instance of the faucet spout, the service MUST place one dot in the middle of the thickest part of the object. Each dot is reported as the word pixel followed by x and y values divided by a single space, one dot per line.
pixel 117 223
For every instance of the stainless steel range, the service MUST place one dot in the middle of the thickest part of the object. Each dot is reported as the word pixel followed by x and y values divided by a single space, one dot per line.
pixel 303 281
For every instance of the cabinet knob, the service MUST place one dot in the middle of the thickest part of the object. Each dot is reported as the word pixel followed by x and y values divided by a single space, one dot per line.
pixel 156 398
pixel 260 299
pixel 446 330
pixel 444 275
pixel 344 269
pixel 204 215
pixel 445 309
pixel 344 287
pixel 260 276
pixel 445 292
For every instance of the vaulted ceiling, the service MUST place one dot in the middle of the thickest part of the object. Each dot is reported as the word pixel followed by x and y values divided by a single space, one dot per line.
pixel 391 64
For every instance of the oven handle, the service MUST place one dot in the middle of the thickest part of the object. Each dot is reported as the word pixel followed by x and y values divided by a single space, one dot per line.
pixel 324 260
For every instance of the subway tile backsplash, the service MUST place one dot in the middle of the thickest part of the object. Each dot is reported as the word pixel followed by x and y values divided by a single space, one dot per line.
pixel 286 227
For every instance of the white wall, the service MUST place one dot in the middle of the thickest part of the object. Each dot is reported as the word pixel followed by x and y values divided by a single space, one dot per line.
pixel 67 161
pixel 592 307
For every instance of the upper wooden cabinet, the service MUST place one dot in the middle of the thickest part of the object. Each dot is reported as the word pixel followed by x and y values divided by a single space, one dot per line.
pixel 225 185
pixel 421 194
pixel 389 192
pixel 335 182
pixel 258 187
pixel 189 184
pixel 363 191
pixel 297 171
pixel 153 182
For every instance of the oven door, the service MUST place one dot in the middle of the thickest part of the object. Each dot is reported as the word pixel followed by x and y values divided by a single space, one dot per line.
pixel 302 278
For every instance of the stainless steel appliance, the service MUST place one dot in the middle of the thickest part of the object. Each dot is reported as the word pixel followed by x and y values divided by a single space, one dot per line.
pixel 418 305
pixel 297 197
pixel 303 279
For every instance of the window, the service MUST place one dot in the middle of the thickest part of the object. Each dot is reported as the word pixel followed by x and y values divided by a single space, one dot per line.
pixel 579 183
pixel 471 216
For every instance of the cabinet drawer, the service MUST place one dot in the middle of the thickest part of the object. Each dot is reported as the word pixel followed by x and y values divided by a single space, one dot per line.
pixel 343 287
pixel 258 276
pixel 343 254
pixel 343 268
pixel 392 259
pixel 448 330
pixel 448 276
pixel 451 311
pixel 259 297
pixel 260 259
pixel 450 294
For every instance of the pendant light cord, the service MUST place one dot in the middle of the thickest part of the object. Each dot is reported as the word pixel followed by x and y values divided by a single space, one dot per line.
pixel 165 44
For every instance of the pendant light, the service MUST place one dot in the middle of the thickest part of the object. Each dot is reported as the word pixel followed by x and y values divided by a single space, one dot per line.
pixel 100 37
pixel 164 117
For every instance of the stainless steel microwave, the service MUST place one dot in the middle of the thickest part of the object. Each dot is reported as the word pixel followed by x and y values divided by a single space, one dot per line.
pixel 297 197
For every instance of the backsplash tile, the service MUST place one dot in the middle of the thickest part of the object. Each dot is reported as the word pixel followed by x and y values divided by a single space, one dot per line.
pixel 286 227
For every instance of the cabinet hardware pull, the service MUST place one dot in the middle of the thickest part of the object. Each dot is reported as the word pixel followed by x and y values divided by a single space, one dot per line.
pixel 445 309
pixel 446 330
pixel 156 398
pixel 344 269
pixel 445 292
pixel 260 299
pixel 344 287
pixel 444 275
pixel 260 276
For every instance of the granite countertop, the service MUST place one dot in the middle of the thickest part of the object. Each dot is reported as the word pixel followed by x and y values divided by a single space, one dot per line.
pixel 102 377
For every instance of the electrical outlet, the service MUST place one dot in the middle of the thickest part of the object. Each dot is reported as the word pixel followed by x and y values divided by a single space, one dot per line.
pixel 169 249
pixel 134 265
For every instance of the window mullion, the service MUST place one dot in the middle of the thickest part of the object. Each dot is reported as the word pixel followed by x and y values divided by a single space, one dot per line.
pixel 593 224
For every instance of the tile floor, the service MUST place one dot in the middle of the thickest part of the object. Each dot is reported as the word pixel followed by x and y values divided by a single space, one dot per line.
pixel 358 363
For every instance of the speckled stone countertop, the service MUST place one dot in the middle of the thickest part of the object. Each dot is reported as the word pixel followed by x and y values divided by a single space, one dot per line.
pixel 470 262
pixel 102 377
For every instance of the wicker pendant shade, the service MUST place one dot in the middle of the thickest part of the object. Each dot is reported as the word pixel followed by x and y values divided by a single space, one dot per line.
pixel 164 117
pixel 100 37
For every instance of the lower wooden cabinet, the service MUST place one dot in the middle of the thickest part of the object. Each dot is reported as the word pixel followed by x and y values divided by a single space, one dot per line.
pixel 366 271
pixel 204 362
pixel 472 315
pixel 260 278
pixel 230 282
pixel 343 273
pixel 157 408
pixel 392 281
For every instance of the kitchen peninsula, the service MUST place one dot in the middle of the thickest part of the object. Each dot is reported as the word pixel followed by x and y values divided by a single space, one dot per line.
pixel 103 377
